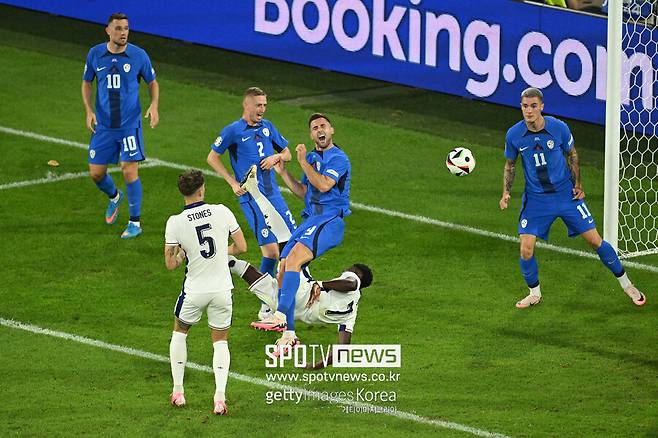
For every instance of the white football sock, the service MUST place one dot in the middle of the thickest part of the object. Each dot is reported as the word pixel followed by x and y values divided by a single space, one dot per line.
pixel 624 281
pixel 221 360
pixel 239 267
pixel 116 198
pixel 178 359
pixel 136 223
pixel 535 291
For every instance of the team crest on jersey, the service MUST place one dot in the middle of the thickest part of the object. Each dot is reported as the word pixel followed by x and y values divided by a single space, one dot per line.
pixel 126 67
pixel 550 144
pixel 265 232
pixel 92 153
pixel 218 141
pixel 266 132
pixel 524 223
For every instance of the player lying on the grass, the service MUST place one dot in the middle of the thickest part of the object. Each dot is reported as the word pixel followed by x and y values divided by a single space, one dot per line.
pixel 199 235
pixel 333 301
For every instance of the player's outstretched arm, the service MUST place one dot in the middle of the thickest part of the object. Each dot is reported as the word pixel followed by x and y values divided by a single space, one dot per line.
pixel 216 163
pixel 573 162
pixel 344 337
pixel 239 244
pixel 508 179
pixel 174 256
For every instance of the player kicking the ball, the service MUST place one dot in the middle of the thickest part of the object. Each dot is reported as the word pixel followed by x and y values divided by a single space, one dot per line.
pixel 199 235
pixel 317 302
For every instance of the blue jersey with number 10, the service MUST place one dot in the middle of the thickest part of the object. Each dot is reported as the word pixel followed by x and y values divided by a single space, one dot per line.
pixel 542 155
pixel 117 78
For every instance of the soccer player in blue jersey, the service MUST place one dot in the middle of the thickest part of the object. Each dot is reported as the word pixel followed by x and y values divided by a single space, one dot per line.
pixel 325 188
pixel 255 145
pixel 116 125
pixel 552 189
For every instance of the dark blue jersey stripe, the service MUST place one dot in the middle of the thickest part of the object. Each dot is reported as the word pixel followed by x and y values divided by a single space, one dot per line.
pixel 544 179
pixel 267 182
pixel 115 108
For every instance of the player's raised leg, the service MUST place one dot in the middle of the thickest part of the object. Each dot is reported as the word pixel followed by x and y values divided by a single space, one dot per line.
pixel 610 260
pixel 530 271
pixel 178 360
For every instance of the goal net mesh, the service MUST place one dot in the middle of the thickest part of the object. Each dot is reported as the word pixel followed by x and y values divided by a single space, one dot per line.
pixel 638 177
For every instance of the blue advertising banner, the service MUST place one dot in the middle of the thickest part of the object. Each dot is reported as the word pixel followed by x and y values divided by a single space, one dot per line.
pixel 481 49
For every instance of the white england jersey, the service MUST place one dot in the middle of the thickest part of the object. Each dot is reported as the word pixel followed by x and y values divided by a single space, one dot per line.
pixel 202 230
pixel 333 307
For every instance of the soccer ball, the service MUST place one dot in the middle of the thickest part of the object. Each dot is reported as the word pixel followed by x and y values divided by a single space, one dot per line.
pixel 460 161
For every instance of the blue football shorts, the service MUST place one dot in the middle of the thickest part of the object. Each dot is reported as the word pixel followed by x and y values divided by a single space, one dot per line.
pixel 109 146
pixel 539 211
pixel 256 220
pixel 317 233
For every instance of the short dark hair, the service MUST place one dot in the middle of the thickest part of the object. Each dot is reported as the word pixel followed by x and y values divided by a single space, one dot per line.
pixel 190 181
pixel 254 91
pixel 366 275
pixel 316 116
pixel 117 16
pixel 533 92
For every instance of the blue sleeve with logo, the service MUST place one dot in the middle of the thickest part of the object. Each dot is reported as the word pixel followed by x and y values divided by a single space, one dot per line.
pixel 90 72
pixel 511 152
pixel 147 71
pixel 224 140
pixel 567 138
pixel 336 167
pixel 279 142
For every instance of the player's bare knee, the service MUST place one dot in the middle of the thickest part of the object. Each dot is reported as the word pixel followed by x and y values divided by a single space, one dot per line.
pixel 270 250
pixel 180 326
pixel 527 252
pixel 130 171
pixel 218 335
pixel 97 174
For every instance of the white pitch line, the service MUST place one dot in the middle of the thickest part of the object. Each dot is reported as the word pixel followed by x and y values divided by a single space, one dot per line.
pixel 365 207
pixel 64 177
pixel 313 395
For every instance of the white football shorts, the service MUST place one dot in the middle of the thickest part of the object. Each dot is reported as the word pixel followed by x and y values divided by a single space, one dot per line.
pixel 218 306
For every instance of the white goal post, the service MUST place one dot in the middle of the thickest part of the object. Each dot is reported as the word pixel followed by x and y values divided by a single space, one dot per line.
pixel 631 144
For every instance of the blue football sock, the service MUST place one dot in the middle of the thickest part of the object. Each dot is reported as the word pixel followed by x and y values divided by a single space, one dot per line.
pixel 106 185
pixel 530 271
pixel 287 297
pixel 134 190
pixel 610 259
pixel 268 266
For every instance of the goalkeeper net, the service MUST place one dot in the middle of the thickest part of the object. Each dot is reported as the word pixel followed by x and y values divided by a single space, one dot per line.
pixel 638 146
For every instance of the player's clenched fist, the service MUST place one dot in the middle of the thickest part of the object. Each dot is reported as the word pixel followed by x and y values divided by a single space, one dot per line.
pixel 301 152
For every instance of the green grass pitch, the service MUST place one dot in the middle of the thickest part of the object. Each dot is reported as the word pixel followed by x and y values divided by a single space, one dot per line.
pixel 583 363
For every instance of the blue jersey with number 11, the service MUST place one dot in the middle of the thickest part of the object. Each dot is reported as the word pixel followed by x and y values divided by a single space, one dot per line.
pixel 542 155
